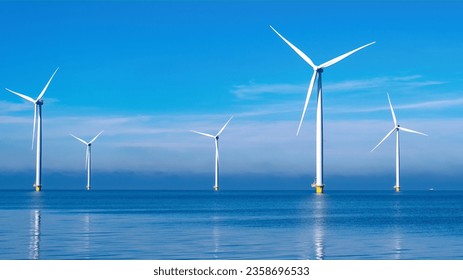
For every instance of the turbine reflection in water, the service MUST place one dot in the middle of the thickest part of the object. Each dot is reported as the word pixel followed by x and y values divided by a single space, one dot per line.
pixel 397 242
pixel 34 241
pixel 216 236
pixel 397 235
pixel 86 227
pixel 319 230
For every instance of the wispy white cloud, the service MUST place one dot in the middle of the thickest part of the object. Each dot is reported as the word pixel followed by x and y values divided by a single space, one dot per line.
pixel 15 120
pixel 407 82
pixel 10 107
pixel 407 78
pixel 355 85
pixel 255 91
pixel 433 104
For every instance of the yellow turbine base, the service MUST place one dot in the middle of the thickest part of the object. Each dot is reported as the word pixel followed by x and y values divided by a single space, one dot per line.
pixel 38 188
pixel 397 188
pixel 318 189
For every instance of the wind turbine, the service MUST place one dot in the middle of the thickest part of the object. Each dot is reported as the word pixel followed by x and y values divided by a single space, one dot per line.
pixel 216 139
pixel 317 72
pixel 88 157
pixel 37 123
pixel 396 129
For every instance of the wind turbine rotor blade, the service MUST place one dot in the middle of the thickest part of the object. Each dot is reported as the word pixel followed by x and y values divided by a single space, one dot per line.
pixel 221 130
pixel 87 157
pixel 385 137
pixel 298 51
pixel 412 131
pixel 35 123
pixel 309 92
pixel 217 148
pixel 46 86
pixel 341 57
pixel 205 134
pixel 21 95
pixel 79 139
pixel 392 110
pixel 94 138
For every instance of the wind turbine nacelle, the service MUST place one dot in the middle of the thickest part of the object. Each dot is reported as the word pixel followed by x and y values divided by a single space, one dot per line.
pixel 39 102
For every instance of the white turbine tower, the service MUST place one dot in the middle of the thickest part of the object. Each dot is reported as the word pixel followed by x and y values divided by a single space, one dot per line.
pixel 216 139
pixel 317 72
pixel 396 129
pixel 37 123
pixel 88 157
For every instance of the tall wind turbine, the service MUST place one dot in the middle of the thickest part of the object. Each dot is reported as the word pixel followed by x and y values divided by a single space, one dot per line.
pixel 216 139
pixel 88 157
pixel 37 123
pixel 317 72
pixel 396 129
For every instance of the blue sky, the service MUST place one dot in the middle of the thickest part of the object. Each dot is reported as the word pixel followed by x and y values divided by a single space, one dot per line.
pixel 150 71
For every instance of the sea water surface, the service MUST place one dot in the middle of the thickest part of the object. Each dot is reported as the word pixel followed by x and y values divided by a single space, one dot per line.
pixel 180 225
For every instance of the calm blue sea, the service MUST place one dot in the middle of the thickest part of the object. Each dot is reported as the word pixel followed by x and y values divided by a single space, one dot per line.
pixel 231 225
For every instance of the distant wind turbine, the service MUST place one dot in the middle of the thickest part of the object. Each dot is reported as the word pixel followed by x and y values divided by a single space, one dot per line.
pixel 37 123
pixel 216 139
pixel 396 128
pixel 88 157
pixel 318 70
